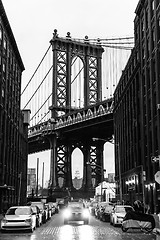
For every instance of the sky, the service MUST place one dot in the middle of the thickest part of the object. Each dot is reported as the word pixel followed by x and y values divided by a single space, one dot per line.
pixel 33 23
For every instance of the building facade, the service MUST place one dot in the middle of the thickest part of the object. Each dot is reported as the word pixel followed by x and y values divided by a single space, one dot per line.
pixel 137 112
pixel 13 121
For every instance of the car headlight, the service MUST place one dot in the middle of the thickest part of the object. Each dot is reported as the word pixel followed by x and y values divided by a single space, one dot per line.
pixel 85 213
pixel 4 220
pixel 28 220
pixel 67 213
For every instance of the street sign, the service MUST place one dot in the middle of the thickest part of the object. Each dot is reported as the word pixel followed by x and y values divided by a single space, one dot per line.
pixel 157 177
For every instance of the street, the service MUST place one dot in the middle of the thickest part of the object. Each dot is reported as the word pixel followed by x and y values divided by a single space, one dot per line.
pixel 54 229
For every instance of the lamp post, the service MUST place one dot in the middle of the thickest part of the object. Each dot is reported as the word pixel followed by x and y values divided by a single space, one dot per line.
pixel 104 170
pixel 120 178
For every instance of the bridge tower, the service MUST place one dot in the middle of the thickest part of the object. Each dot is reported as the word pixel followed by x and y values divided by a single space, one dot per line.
pixel 65 50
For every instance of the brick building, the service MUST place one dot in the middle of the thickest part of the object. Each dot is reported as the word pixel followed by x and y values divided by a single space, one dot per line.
pixel 13 121
pixel 137 112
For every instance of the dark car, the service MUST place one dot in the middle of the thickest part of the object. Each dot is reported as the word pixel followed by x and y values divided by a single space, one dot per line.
pixel 100 206
pixel 76 211
pixel 105 212
pixel 42 208
pixel 56 207
pixel 38 214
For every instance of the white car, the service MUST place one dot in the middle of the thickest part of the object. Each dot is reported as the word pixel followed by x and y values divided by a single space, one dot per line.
pixel 76 211
pixel 118 212
pixel 19 218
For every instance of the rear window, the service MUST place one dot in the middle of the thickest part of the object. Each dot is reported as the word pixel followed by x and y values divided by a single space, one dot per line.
pixel 76 205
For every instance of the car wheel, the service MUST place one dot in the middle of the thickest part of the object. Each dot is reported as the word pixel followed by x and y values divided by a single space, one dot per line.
pixel 124 229
pixel 44 219
pixel 114 223
pixel 39 224
pixel 32 229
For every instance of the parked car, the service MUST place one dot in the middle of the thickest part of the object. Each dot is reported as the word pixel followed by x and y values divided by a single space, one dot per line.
pixel 38 213
pixel 99 208
pixel 118 212
pixel 19 218
pixel 56 207
pixel 42 208
pixel 61 204
pixel 53 208
pixel 48 210
pixel 76 211
pixel 105 212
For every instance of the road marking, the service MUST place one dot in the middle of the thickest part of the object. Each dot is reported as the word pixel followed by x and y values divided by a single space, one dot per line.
pixel 79 230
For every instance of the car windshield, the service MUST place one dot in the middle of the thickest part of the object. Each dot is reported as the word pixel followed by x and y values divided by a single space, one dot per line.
pixel 18 211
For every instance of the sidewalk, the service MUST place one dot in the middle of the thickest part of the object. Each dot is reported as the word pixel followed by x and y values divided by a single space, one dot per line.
pixel 157 228
pixel 1 216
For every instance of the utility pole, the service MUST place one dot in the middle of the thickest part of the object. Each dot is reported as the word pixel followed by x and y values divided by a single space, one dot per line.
pixel 42 178
pixel 37 175
pixel 120 179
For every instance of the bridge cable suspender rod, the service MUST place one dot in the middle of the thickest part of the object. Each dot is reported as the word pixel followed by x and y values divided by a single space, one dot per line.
pixel 41 107
pixel 38 87
pixel 36 70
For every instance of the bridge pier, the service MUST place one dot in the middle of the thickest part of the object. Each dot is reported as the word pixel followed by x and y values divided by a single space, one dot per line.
pixel 61 184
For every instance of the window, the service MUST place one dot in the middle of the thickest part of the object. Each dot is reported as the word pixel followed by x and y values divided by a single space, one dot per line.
pixel 152 8
pixel 5 43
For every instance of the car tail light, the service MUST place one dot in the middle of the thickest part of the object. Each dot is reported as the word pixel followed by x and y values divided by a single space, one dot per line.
pixel 67 213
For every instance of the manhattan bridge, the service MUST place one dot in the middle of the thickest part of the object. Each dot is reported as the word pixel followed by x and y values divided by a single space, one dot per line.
pixel 70 96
